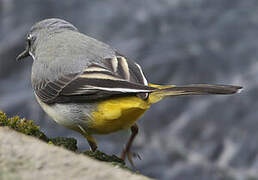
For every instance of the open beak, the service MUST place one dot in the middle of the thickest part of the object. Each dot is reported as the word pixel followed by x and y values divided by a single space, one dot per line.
pixel 24 54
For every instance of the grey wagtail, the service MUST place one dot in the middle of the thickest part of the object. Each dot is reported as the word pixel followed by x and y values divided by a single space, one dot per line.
pixel 87 86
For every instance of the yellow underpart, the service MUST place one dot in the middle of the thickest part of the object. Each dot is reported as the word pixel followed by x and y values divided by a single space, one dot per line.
pixel 117 113
pixel 121 112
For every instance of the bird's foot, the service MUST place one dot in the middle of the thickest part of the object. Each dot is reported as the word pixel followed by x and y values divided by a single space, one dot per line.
pixel 130 155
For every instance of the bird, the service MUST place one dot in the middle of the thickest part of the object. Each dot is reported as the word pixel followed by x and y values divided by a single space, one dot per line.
pixel 88 86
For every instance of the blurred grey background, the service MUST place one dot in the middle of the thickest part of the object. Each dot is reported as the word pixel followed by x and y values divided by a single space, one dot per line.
pixel 175 41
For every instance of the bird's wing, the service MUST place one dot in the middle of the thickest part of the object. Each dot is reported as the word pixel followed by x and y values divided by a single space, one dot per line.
pixel 115 77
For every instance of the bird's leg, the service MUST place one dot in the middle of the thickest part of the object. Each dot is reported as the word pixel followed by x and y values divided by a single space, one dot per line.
pixel 126 151
pixel 92 142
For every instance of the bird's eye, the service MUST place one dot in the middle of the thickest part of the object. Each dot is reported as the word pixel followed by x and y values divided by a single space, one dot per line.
pixel 29 37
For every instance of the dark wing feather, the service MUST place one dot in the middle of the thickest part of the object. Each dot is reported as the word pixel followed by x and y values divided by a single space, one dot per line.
pixel 48 91
pixel 83 85
pixel 115 77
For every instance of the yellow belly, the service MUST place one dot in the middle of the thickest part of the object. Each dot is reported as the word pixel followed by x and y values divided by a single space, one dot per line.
pixel 117 113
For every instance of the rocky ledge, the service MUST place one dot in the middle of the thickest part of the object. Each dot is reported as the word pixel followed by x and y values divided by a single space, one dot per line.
pixel 25 157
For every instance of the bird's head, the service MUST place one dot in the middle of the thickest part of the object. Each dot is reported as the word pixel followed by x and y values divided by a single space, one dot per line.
pixel 41 31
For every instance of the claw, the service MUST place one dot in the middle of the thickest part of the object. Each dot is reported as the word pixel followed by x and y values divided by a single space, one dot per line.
pixel 136 155
pixel 130 157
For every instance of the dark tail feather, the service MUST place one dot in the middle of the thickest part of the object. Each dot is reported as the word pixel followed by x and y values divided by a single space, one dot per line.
pixel 200 89
pixel 194 89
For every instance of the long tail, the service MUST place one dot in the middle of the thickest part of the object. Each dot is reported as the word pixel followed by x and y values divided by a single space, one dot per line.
pixel 194 89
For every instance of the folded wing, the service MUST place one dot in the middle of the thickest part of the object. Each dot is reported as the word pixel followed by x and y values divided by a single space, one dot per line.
pixel 116 77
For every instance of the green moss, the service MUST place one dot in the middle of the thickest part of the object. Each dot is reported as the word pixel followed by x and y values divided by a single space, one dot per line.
pixel 68 143
pixel 28 127
pixel 23 125
pixel 104 157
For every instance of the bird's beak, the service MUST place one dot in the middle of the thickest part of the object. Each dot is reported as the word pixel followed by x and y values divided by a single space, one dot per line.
pixel 24 54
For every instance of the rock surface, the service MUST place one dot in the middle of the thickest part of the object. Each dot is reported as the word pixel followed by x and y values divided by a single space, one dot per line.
pixel 26 158
pixel 176 41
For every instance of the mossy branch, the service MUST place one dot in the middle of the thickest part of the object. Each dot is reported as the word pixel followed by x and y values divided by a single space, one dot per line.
pixel 28 127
